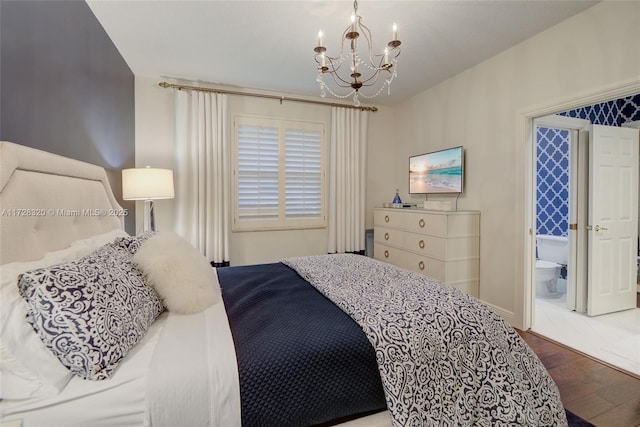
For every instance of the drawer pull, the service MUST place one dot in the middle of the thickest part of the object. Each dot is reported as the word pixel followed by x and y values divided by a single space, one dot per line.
pixel 386 254
pixel 386 218
pixel 421 265
pixel 421 223
pixel 421 244
pixel 386 236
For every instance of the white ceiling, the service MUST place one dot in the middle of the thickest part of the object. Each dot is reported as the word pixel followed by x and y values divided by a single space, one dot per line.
pixel 269 44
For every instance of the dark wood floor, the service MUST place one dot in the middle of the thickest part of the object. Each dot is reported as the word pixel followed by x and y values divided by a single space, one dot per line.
pixel 594 391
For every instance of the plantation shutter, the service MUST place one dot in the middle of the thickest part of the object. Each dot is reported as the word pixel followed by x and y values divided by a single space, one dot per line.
pixel 278 174
pixel 258 172
pixel 303 173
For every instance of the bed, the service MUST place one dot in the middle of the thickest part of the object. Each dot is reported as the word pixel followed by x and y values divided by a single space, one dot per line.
pixel 307 341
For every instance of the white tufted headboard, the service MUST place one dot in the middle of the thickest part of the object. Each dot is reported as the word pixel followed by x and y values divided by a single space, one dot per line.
pixel 48 201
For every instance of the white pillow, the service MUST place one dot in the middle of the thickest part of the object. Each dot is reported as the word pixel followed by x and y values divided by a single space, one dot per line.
pixel 91 244
pixel 27 367
pixel 181 275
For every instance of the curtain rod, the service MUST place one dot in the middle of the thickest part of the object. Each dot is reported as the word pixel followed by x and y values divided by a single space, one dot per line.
pixel 259 95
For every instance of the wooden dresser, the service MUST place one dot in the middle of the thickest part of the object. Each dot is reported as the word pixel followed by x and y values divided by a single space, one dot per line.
pixel 444 245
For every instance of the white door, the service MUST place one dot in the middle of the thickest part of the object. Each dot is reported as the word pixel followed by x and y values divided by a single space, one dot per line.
pixel 613 216
pixel 580 230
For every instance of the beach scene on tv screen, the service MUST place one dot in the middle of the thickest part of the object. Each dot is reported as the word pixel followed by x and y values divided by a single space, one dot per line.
pixel 439 172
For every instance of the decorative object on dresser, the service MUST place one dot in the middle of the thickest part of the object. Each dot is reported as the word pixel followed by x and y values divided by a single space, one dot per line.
pixel 397 201
pixel 441 244
pixel 439 205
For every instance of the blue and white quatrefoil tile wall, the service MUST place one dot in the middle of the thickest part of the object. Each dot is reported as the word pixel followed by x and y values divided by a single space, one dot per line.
pixel 552 204
pixel 612 113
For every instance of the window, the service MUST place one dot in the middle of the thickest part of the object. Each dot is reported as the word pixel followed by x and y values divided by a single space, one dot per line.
pixel 278 174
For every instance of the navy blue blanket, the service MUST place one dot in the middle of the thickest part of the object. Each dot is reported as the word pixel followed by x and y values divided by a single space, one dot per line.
pixel 302 361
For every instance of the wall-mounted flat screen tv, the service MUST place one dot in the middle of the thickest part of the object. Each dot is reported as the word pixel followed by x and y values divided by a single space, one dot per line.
pixel 437 172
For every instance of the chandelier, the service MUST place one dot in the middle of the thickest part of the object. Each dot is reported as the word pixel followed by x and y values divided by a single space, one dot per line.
pixel 354 71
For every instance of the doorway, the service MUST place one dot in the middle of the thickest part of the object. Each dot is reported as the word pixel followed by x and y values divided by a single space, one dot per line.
pixel 563 216
pixel 560 193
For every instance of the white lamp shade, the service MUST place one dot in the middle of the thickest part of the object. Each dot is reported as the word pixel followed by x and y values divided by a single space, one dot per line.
pixel 147 184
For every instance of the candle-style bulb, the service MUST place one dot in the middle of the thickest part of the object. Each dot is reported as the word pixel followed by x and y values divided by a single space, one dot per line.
pixel 320 36
pixel 395 31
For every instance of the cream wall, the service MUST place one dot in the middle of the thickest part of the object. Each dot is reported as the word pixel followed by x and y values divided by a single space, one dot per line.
pixel 154 147
pixel 154 141
pixel 482 109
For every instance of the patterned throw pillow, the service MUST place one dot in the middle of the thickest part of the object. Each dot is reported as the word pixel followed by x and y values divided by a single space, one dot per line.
pixel 92 311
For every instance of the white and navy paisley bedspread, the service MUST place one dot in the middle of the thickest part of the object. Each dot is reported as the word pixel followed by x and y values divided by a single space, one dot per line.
pixel 445 358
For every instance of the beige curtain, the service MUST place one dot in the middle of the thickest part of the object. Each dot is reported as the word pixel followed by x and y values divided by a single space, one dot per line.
pixel 202 173
pixel 347 180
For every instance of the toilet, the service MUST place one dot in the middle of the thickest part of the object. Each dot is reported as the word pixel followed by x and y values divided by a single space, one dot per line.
pixel 553 253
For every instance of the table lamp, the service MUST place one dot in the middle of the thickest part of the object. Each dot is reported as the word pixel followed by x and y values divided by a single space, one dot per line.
pixel 147 184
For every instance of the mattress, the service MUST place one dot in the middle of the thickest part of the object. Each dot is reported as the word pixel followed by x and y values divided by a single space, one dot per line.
pixel 116 402
pixel 183 372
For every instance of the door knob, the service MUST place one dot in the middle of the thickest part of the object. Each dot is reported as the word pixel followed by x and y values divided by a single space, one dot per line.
pixel 598 228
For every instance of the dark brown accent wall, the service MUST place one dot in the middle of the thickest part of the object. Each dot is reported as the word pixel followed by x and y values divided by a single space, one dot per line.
pixel 65 88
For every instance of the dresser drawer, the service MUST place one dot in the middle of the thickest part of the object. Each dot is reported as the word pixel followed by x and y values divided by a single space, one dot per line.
pixel 423 265
pixel 442 248
pixel 452 272
pixel 462 274
pixel 424 223
pixel 387 253
pixel 462 270
pixel 425 245
pixel 388 236
pixel 388 218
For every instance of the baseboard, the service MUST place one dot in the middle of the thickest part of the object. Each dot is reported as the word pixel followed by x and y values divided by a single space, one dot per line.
pixel 509 316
